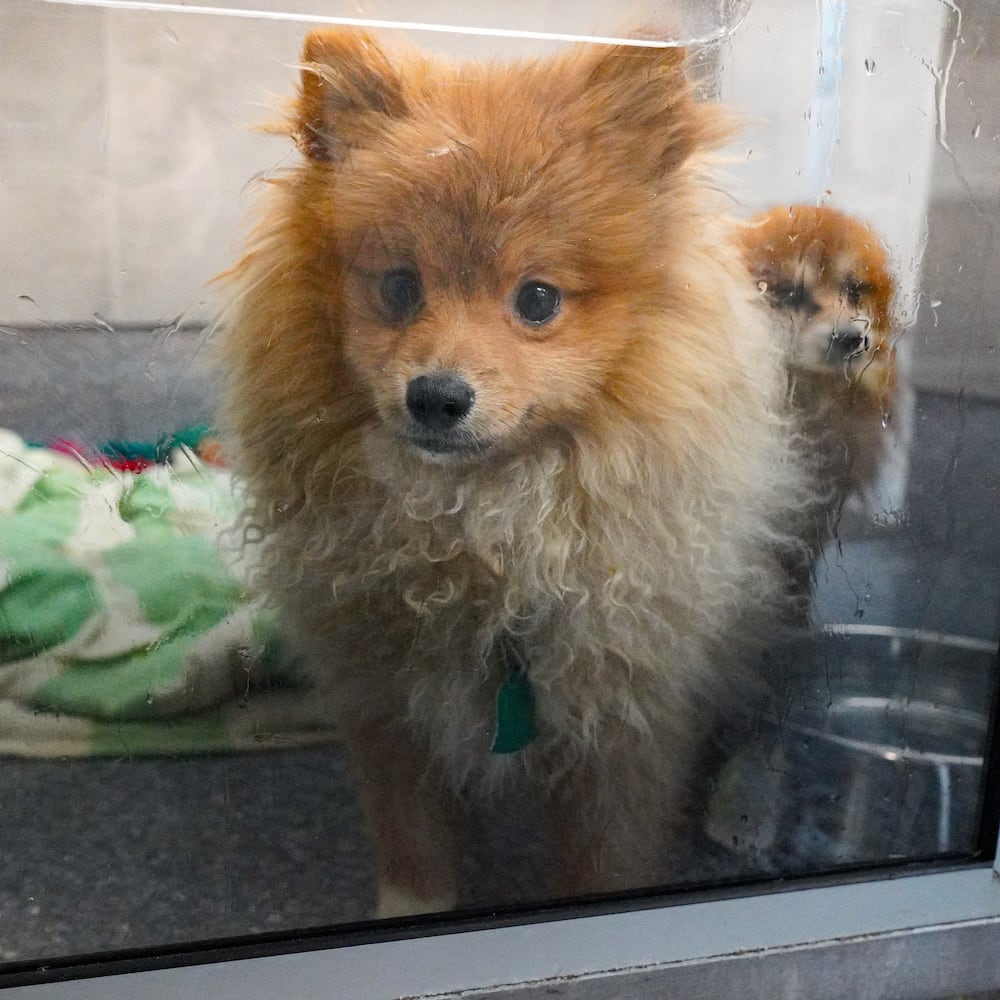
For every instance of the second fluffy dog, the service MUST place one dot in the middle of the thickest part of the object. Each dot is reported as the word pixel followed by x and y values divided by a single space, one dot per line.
pixel 826 278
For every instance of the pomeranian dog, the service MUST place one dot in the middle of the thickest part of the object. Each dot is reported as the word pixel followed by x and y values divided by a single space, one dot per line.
pixel 515 435
pixel 826 277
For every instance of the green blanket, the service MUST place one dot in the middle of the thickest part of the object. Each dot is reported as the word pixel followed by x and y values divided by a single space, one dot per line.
pixel 127 620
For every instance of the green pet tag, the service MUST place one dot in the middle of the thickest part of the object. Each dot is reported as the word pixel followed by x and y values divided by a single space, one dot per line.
pixel 515 717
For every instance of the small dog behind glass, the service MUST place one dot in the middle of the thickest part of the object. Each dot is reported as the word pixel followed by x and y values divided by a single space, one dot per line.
pixel 515 431
pixel 826 277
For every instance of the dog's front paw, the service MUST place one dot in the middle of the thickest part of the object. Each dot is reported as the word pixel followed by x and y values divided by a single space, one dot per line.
pixel 398 901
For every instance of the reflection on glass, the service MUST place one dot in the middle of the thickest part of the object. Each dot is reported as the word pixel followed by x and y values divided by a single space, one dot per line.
pixel 562 525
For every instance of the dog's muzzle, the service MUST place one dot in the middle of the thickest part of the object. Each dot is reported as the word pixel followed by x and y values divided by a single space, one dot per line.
pixel 438 404
pixel 848 342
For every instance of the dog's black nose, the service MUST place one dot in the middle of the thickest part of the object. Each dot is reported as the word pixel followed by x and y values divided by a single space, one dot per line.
pixel 440 400
pixel 845 344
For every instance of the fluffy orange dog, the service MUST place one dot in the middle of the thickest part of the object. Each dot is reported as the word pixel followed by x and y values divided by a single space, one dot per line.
pixel 826 277
pixel 514 433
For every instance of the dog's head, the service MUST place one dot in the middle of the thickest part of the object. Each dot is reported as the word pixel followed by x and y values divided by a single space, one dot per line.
pixel 826 276
pixel 486 241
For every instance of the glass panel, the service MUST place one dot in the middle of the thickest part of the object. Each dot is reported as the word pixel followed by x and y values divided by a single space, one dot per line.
pixel 681 21
pixel 582 491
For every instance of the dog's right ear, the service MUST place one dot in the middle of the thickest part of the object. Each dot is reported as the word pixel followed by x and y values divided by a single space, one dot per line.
pixel 347 86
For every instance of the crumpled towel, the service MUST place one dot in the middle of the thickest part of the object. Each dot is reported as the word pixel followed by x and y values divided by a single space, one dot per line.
pixel 128 622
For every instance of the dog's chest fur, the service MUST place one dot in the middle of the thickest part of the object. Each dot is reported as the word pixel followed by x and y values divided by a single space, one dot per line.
pixel 413 583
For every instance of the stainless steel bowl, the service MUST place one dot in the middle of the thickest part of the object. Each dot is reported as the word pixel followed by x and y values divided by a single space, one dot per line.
pixel 871 749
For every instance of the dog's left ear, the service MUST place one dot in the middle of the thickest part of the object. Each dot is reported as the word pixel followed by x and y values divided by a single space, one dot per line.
pixel 347 86
pixel 642 94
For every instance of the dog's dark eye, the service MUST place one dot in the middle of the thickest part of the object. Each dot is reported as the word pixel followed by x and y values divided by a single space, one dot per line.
pixel 787 295
pixel 855 289
pixel 402 293
pixel 537 302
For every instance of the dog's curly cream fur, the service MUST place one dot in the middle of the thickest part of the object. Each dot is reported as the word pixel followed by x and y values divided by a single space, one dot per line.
pixel 624 510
